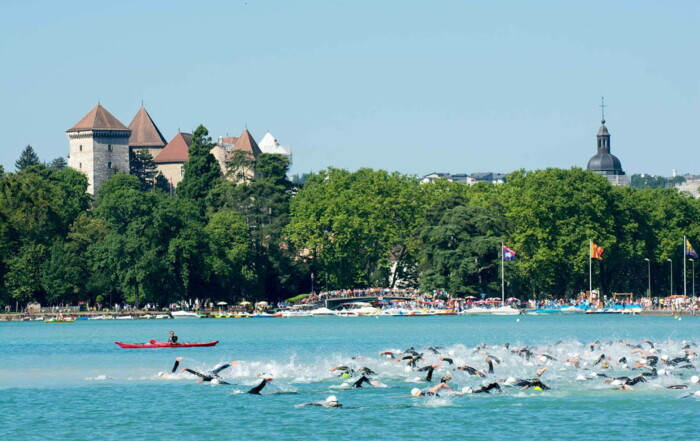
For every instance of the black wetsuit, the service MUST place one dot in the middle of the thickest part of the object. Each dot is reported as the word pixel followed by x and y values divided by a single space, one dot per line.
pixel 549 357
pixel 487 389
pixel 471 371
pixel 430 370
pixel 533 382
pixel 490 366
pixel 362 380
pixel 599 359
pixel 413 360
pixel 321 405
pixel 678 360
pixel 652 360
pixel 175 366
pixel 172 339
pixel 205 377
pixel 367 371
pixel 447 360
pixel 256 390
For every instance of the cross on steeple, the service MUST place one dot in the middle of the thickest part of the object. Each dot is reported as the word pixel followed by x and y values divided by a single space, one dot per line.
pixel 602 109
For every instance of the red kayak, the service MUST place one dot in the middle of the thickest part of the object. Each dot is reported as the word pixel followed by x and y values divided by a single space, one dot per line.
pixel 162 344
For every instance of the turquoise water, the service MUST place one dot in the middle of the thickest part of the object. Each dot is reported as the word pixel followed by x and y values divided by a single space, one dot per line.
pixel 70 381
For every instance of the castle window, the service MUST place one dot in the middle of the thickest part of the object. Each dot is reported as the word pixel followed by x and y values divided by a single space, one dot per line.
pixel 80 166
pixel 81 147
pixel 109 165
pixel 182 171
pixel 109 147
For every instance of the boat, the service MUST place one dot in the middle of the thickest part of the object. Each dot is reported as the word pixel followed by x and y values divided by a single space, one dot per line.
pixel 162 344
pixel 123 317
pixel 162 316
pixel 184 315
pixel 505 310
pixel 321 312
pixel 572 310
pixel 56 320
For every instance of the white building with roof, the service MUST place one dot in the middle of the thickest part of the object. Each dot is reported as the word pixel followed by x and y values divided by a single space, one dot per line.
pixel 268 144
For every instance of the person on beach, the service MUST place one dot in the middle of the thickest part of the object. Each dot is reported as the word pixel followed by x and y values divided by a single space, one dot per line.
pixel 172 338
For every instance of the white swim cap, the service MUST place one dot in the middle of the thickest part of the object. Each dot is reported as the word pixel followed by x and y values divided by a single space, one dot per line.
pixel 694 379
pixel 662 372
pixel 160 374
pixel 664 357
pixel 616 383
pixel 543 358
pixel 580 378
pixel 652 351
pixel 697 393
pixel 593 374
pixel 467 390
pixel 510 381
pixel 331 399
pixel 624 366
pixel 215 381
pixel 415 392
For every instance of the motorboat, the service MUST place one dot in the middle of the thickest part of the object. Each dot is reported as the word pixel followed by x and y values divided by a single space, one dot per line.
pixel 184 315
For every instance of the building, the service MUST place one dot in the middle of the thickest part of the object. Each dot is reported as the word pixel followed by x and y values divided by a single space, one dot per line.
pixel 268 144
pixel 464 178
pixel 145 135
pixel 605 163
pixel 98 146
pixel 171 160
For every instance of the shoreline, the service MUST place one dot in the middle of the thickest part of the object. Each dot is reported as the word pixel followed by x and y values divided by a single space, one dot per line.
pixel 140 315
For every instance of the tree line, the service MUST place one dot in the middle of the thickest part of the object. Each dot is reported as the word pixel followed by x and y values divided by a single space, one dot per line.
pixel 263 237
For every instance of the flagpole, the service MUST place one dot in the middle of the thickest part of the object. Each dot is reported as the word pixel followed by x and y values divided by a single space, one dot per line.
pixel 503 278
pixel 685 251
pixel 590 268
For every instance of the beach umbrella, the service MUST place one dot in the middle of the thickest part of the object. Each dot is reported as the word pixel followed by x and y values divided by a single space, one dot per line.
pixel 511 299
pixel 221 304
pixel 470 298
pixel 243 303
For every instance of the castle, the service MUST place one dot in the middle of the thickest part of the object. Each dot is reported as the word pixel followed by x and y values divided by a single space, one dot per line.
pixel 99 146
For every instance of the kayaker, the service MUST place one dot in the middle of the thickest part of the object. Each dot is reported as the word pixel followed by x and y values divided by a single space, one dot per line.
pixel 172 338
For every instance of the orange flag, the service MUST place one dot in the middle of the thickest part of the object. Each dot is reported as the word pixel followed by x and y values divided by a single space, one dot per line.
pixel 596 251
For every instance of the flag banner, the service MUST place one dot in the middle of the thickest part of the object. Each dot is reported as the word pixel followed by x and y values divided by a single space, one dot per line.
pixel 508 254
pixel 596 251
pixel 689 250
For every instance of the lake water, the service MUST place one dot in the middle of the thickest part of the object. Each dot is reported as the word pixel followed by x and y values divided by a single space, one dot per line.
pixel 70 381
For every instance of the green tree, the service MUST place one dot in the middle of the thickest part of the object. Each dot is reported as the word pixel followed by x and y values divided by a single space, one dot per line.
pixel 27 158
pixel 240 167
pixel 202 171
pixel 461 246
pixel 142 165
pixel 58 163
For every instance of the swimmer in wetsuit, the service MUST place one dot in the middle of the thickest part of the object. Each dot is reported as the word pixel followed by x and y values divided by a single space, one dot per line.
pixel 211 375
pixel 471 371
pixel 331 401
pixel 447 360
pixel 429 369
pixel 364 380
pixel 484 389
pixel 256 390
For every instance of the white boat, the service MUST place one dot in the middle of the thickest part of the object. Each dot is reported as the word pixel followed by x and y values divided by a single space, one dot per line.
pixel 505 310
pixel 357 309
pixel 477 310
pixel 184 315
pixel 321 312
pixel 97 317
pixel 572 310
pixel 292 313
pixel 162 316
pixel 123 317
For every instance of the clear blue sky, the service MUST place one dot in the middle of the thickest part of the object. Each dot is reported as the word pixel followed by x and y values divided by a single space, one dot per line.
pixel 417 87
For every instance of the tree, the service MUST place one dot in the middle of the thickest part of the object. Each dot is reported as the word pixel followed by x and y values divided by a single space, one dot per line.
pixel 142 165
pixel 460 246
pixel 58 163
pixel 202 171
pixel 27 158
pixel 240 167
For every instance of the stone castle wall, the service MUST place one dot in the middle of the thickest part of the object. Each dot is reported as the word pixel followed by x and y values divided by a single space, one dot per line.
pixel 99 154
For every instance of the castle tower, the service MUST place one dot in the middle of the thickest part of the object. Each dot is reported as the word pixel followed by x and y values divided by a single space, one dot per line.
pixel 98 146
pixel 605 163
pixel 145 135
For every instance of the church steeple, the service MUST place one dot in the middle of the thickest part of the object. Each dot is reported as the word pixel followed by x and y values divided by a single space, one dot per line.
pixel 603 136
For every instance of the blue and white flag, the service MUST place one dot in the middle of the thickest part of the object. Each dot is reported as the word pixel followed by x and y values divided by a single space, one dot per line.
pixel 508 254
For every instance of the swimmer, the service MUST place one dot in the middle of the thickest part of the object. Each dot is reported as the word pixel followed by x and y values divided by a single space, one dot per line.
pixel 256 390
pixel 367 371
pixel 649 342
pixel 388 354
pixel 440 386
pixel 484 389
pixel 175 366
pixel 599 359
pixel 345 372
pixel 433 350
pixel 331 401
pixel 204 377
pixel 447 360
pixel 471 371
pixel 549 357
pixel 430 369
pixel 364 380
pixel 490 363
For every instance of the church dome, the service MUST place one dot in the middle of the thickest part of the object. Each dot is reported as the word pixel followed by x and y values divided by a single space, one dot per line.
pixel 605 163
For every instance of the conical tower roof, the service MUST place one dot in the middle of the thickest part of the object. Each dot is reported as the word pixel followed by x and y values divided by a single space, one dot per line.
pixel 144 132
pixel 247 143
pixel 176 151
pixel 98 119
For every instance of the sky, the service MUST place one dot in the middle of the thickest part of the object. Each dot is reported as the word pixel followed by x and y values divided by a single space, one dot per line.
pixel 414 87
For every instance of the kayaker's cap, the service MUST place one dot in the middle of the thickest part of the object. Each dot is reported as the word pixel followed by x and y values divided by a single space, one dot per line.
pixel 415 392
